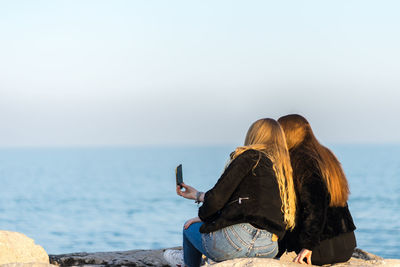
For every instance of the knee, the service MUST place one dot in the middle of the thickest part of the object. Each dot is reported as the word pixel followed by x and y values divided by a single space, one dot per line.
pixel 183 229
pixel 193 227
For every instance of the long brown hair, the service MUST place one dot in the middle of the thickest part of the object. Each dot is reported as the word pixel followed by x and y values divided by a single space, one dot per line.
pixel 300 138
pixel 267 137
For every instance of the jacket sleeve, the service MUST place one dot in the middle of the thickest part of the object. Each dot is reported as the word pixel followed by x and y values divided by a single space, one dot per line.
pixel 216 198
pixel 314 198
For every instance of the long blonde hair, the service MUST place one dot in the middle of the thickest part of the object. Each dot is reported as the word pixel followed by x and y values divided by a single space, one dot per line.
pixel 302 143
pixel 266 136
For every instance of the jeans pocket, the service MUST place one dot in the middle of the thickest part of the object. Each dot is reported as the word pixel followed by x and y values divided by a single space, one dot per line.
pixel 222 244
pixel 268 251
pixel 263 245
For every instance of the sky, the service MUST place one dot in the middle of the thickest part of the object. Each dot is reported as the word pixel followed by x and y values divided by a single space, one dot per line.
pixel 106 73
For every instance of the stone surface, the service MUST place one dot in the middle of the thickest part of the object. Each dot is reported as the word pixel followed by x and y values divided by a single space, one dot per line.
pixel 18 248
pixel 359 258
pixel 154 258
pixel 33 264
pixel 139 258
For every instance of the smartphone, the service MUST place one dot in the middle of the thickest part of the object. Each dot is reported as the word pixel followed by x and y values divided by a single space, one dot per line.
pixel 178 173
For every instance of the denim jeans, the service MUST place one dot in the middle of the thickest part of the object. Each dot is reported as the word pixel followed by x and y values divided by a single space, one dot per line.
pixel 236 241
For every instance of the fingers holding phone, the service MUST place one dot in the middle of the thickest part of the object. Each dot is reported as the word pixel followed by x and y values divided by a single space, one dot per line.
pixel 190 192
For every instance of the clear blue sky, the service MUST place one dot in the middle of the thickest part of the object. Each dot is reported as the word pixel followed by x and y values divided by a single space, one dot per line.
pixel 196 72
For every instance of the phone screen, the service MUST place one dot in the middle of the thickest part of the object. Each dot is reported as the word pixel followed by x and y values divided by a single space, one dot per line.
pixel 179 177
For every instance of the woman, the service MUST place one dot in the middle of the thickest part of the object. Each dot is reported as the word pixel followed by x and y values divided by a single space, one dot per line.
pixel 250 206
pixel 324 226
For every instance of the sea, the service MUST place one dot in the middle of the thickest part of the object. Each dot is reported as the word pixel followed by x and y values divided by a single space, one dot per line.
pixel 123 198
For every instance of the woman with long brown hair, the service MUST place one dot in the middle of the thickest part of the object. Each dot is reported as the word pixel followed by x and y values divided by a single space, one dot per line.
pixel 250 206
pixel 324 232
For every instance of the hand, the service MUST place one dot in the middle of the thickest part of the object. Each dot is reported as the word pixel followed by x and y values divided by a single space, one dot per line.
pixel 189 193
pixel 304 253
pixel 190 221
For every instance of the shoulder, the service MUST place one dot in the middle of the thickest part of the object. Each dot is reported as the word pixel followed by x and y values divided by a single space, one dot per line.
pixel 305 164
pixel 306 170
pixel 247 155
pixel 252 155
pixel 252 159
pixel 245 158
pixel 306 159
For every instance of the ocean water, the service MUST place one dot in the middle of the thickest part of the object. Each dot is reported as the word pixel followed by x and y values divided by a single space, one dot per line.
pixel 109 199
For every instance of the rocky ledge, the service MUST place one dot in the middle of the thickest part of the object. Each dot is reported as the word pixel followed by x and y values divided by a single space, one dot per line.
pixel 143 258
pixel 18 250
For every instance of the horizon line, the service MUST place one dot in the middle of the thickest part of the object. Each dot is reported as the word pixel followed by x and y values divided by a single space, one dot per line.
pixel 165 145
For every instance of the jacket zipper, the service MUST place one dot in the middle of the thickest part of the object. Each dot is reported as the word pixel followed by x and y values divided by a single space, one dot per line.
pixel 239 200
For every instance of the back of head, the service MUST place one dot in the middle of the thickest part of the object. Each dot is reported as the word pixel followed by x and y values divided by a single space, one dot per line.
pixel 296 129
pixel 264 132
pixel 266 136
pixel 301 140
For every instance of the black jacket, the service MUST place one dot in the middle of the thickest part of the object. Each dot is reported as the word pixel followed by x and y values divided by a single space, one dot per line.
pixel 315 220
pixel 244 195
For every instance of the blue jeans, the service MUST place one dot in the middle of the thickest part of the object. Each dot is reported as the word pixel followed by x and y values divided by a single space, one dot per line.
pixel 236 241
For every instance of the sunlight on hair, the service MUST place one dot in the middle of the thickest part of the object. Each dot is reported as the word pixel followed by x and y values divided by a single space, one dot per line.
pixel 266 136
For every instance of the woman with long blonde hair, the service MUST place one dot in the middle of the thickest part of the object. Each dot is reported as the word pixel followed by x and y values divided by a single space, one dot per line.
pixel 324 226
pixel 250 207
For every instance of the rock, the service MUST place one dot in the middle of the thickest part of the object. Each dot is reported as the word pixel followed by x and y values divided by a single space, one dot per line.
pixel 359 258
pixel 141 258
pixel 18 248
pixel 28 265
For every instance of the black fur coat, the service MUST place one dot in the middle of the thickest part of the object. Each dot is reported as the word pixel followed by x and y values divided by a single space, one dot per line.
pixel 315 220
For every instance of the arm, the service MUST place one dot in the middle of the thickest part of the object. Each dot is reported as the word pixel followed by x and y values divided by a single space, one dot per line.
pixel 189 193
pixel 314 202
pixel 216 198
